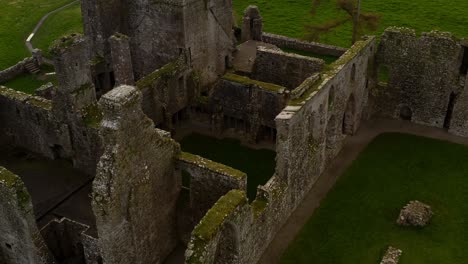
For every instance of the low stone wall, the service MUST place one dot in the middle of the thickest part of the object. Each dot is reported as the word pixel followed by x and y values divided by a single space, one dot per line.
pixel 15 70
pixel 286 69
pixel 291 43
pixel 20 240
pixel 425 83
pixel 209 182
pixel 27 121
pixel 311 131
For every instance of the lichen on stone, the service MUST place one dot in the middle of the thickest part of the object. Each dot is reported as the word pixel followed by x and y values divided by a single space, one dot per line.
pixel 211 165
pixel 40 102
pixel 258 206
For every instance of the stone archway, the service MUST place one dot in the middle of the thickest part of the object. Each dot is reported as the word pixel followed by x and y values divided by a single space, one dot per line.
pixel 349 117
pixel 227 251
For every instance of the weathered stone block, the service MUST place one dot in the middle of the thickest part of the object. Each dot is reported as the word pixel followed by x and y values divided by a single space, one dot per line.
pixel 392 256
pixel 415 214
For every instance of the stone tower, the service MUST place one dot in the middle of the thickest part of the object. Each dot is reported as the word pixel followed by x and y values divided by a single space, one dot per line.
pixel 160 30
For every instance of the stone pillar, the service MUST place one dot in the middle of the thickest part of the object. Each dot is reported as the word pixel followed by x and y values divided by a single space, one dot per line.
pixel 252 24
pixel 74 104
pixel 135 190
pixel 72 67
pixel 20 240
pixel 37 55
pixel 121 60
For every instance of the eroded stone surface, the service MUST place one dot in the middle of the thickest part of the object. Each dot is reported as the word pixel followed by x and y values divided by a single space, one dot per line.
pixel 415 214
pixel 392 256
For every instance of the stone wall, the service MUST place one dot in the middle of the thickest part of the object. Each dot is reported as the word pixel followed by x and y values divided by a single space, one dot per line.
pixel 158 35
pixel 75 101
pixel 27 121
pixel 311 131
pixel 292 43
pixel 424 82
pixel 286 69
pixel 256 103
pixel 168 90
pixel 135 190
pixel 15 70
pixel 20 240
pixel 209 181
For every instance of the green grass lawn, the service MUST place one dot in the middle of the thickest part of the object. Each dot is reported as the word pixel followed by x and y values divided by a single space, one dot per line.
pixel 26 83
pixel 57 25
pixel 288 17
pixel 258 164
pixel 17 20
pixel 356 221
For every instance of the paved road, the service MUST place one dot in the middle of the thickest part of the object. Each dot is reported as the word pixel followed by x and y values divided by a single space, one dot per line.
pixel 353 147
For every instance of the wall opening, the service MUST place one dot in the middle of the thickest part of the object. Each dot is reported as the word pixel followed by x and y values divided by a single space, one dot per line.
pixel 464 65
pixel 450 107
pixel 406 113
pixel 353 73
pixel 348 118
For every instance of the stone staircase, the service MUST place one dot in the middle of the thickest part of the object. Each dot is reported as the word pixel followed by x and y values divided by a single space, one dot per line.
pixel 32 68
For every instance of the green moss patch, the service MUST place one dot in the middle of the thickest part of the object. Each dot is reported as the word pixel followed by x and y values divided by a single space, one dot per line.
pixel 12 181
pixel 258 206
pixel 211 165
pixel 165 73
pixel 247 81
pixel 92 116
pixel 65 42
pixel 213 221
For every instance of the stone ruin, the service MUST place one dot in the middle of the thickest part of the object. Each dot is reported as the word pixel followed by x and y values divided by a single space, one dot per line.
pixel 147 72
pixel 415 214
pixel 391 256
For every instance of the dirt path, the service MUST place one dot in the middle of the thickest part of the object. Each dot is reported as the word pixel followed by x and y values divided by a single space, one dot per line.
pixel 28 42
pixel 353 147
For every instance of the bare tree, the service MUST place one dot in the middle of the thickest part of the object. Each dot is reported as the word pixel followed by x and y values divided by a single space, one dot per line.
pixel 360 20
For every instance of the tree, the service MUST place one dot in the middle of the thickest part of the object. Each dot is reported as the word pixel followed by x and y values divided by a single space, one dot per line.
pixel 360 20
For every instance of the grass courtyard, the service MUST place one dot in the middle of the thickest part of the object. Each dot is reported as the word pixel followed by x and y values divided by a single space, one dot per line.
pixel 258 164
pixel 356 221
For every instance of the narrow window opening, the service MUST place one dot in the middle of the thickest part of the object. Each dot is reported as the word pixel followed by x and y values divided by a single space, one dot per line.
pixel 464 65
pixel 451 105
pixel 406 113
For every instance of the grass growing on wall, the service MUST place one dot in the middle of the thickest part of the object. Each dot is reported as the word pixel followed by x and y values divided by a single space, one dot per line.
pixel 18 18
pixel 356 221
pixel 57 25
pixel 258 164
pixel 288 17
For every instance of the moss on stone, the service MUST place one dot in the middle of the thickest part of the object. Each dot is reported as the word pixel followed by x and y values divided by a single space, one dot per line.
pixel 96 60
pixel 211 165
pixel 92 116
pixel 258 206
pixel 12 181
pixel 165 73
pixel 247 81
pixel 13 94
pixel 40 102
pixel 212 222
pixel 329 71
pixel 63 43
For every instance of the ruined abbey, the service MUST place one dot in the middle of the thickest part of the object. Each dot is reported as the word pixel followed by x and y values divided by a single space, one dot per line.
pixel 145 74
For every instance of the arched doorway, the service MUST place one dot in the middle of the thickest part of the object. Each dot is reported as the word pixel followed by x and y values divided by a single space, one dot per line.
pixel 349 116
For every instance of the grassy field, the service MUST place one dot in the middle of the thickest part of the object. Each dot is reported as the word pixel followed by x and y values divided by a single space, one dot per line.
pixel 59 24
pixel 288 17
pixel 258 164
pixel 16 22
pixel 356 221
